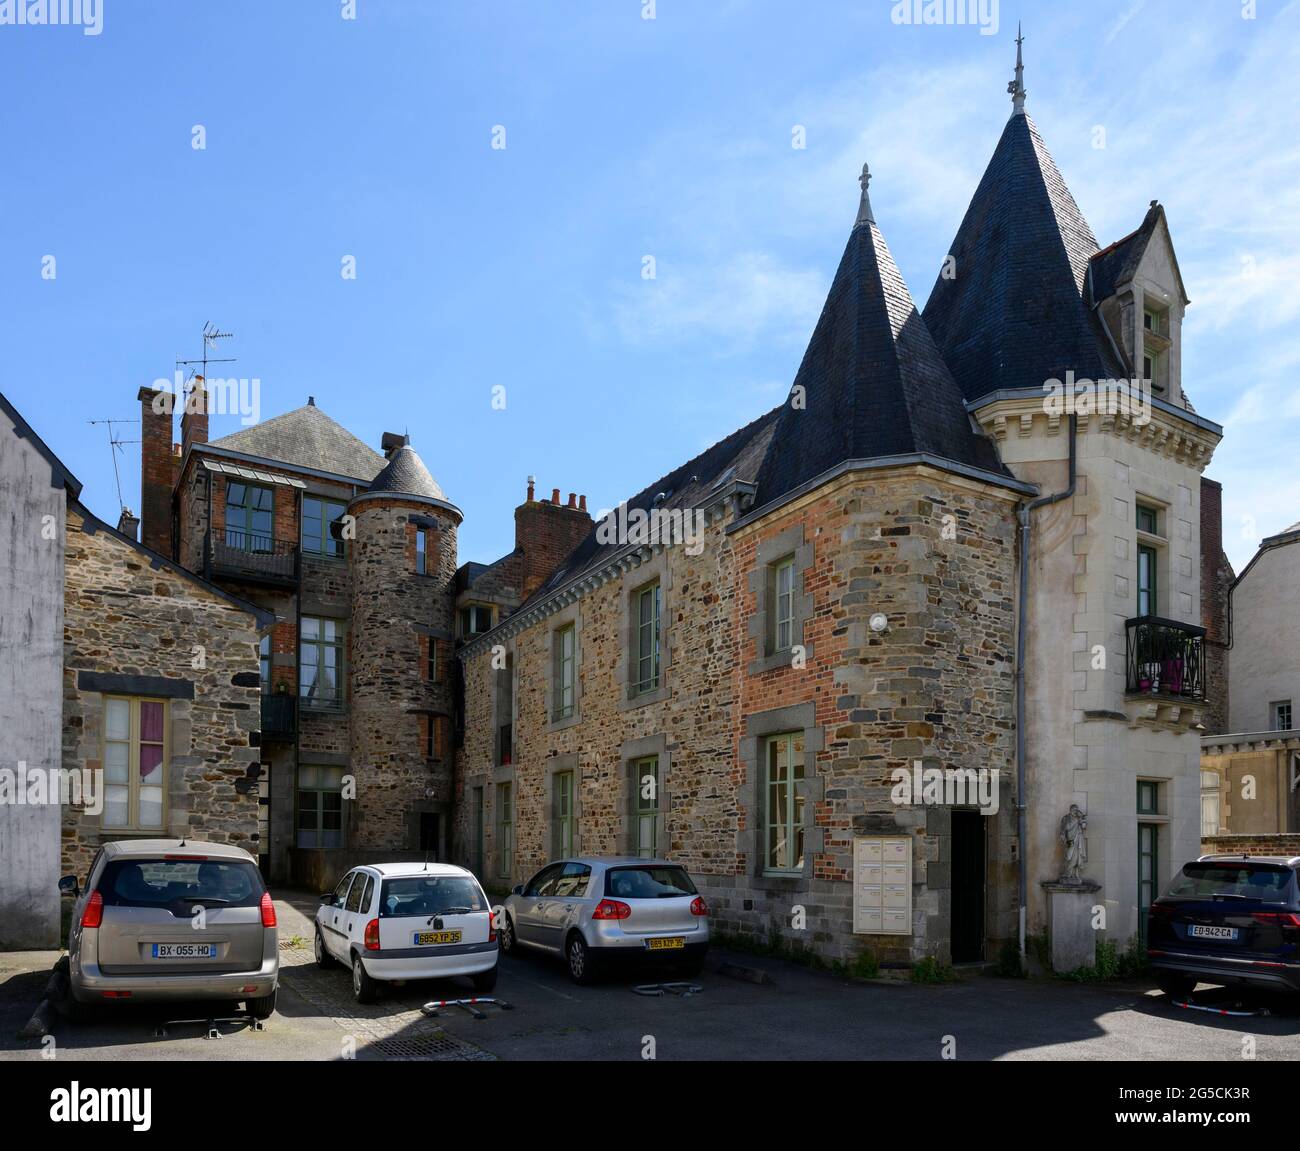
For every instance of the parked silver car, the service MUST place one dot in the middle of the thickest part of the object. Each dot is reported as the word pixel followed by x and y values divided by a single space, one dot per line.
pixel 594 910
pixel 166 919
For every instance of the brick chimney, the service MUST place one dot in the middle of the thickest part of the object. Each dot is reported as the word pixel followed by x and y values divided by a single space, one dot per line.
pixel 547 531
pixel 156 468
pixel 194 419
pixel 1216 583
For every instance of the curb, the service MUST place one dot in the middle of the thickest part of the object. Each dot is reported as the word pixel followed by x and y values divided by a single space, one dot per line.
pixel 743 972
pixel 38 1025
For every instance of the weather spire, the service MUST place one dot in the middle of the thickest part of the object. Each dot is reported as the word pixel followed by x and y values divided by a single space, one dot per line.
pixel 1017 86
pixel 864 206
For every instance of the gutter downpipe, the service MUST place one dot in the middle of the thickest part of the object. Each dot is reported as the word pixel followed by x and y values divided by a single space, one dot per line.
pixel 1022 810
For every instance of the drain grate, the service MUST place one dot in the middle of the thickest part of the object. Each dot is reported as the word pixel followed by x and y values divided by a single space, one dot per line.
pixel 429 1046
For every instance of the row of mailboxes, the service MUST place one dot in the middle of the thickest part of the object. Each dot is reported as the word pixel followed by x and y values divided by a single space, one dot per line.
pixel 882 885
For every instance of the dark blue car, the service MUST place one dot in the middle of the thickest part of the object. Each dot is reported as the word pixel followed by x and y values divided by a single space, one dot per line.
pixel 1232 920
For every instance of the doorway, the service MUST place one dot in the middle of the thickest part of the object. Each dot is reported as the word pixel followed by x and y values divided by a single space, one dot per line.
pixel 967 886
pixel 430 829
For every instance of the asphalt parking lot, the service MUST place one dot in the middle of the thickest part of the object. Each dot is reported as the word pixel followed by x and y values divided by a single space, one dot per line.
pixel 798 1014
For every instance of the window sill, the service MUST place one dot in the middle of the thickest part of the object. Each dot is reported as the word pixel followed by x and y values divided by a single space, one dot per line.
pixel 560 722
pixel 641 699
pixel 776 660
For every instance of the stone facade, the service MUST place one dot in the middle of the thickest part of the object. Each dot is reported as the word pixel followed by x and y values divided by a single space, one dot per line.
pixel 138 628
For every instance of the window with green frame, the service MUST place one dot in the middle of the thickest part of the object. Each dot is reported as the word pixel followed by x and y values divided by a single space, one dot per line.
pixel 1148 564
pixel 783 837
pixel 505 829
pixel 564 677
pixel 1148 852
pixel 248 517
pixel 320 806
pixel 645 804
pixel 1148 797
pixel 783 604
pixel 646 668
pixel 264 662
pixel 562 814
pixel 1148 519
pixel 320 662
pixel 317 515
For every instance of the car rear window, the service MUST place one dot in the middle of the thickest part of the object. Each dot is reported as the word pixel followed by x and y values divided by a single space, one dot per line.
pixel 648 882
pixel 429 895
pixel 1246 880
pixel 160 882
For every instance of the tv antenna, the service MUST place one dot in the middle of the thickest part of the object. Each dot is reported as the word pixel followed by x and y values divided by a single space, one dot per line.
pixel 210 337
pixel 115 446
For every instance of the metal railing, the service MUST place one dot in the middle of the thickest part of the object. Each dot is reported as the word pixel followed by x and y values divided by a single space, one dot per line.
pixel 279 716
pixel 1165 658
pixel 253 555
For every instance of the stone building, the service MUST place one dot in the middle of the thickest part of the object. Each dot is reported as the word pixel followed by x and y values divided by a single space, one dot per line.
pixel 1015 469
pixel 129 693
pixel 1251 764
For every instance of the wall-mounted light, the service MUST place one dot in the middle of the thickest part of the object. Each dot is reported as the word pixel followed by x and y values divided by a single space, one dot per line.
pixel 878 622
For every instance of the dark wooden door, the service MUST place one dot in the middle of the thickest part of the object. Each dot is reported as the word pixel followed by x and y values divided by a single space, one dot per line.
pixel 967 886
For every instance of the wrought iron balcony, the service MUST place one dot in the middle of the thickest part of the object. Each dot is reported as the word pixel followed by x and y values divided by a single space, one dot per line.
pixel 279 717
pixel 252 557
pixel 1165 658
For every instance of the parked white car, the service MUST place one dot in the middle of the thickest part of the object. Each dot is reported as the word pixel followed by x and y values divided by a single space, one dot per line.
pixel 390 922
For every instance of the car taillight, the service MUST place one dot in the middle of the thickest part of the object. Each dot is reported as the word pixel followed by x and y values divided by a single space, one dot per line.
pixel 698 906
pixel 268 910
pixel 1164 910
pixel 611 909
pixel 492 926
pixel 1281 918
pixel 372 935
pixel 92 915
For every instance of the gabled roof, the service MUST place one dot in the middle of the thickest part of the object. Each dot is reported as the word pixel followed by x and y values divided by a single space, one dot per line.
pixel 872 384
pixel 1117 263
pixel 406 475
pixel 60 476
pixel 1011 311
pixel 307 438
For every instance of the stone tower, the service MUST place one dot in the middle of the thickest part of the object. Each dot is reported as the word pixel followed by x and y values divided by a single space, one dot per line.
pixel 403 562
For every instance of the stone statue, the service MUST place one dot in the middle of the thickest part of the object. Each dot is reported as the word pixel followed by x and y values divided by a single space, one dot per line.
pixel 1073 825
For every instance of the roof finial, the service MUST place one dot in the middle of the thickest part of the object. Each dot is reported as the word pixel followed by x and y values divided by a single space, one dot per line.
pixel 1017 86
pixel 864 206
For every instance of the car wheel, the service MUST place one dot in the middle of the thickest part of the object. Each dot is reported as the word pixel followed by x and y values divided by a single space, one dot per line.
pixel 485 980
pixel 262 1008
pixel 323 957
pixel 364 988
pixel 582 965
pixel 1175 986
pixel 509 945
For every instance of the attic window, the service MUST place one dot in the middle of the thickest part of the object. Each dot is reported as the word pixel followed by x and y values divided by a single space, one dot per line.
pixel 1151 321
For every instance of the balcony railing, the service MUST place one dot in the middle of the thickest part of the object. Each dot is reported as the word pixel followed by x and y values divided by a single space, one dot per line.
pixel 1165 658
pixel 279 717
pixel 251 556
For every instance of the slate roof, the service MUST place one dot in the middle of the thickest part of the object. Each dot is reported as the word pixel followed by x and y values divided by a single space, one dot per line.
pixel 1117 263
pixel 406 475
pixel 874 384
pixel 1014 314
pixel 307 438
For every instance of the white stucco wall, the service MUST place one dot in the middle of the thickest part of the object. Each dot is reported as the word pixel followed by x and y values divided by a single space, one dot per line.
pixel 32 511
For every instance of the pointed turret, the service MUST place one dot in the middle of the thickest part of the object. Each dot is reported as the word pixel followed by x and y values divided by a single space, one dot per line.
pixel 872 383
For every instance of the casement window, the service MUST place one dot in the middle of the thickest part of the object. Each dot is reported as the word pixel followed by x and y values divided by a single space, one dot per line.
pixel 645 807
pixel 434 733
pixel 1148 850
pixel 1280 715
pixel 248 517
pixel 431 666
pixel 1148 560
pixel 562 814
pixel 135 763
pixel 474 620
pixel 783 758
pixel 1151 321
pixel 421 552
pixel 564 678
pixel 320 806
pixel 1210 807
pixel 317 516
pixel 645 671
pixel 505 829
pixel 264 662
pixel 320 662
pixel 781 636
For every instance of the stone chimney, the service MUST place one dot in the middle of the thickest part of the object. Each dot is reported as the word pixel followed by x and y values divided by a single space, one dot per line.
pixel 546 532
pixel 194 419
pixel 128 523
pixel 156 469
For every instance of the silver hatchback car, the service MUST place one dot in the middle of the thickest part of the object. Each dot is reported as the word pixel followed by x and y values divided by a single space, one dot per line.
pixel 166 919
pixel 594 911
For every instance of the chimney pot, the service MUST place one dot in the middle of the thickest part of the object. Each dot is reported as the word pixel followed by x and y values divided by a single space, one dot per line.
pixel 573 501
pixel 555 496
pixel 582 503
pixel 531 483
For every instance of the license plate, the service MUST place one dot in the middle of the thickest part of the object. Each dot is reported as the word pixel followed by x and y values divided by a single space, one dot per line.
pixel 424 938
pixel 184 950
pixel 1202 931
pixel 667 943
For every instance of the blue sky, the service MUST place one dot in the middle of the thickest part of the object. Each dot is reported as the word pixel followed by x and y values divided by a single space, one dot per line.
pixel 625 138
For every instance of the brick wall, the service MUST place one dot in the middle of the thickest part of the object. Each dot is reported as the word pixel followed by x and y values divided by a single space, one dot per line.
pixel 546 532
pixel 1280 844
pixel 125 618
pixel 156 469
pixel 1216 580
